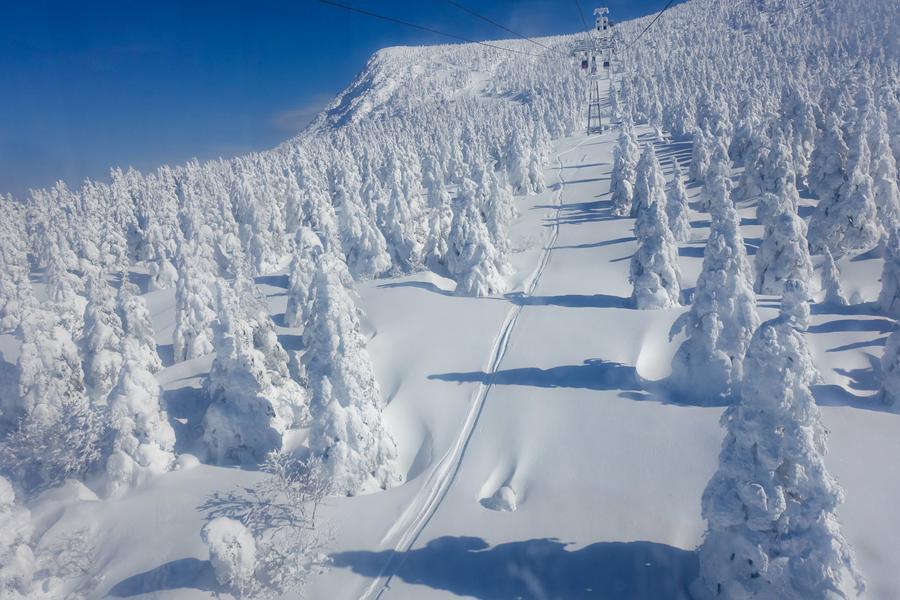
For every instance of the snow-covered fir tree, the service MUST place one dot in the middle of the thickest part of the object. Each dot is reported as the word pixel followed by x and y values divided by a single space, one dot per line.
pixel 137 327
pixel 783 255
pixel 890 369
pixel 677 210
pixel 347 430
pixel 648 179
pixel 831 281
pixel 654 272
pixel 625 159
pixel 307 250
pixel 889 297
pixel 770 506
pixel 194 302
pixel 722 317
pixel 101 345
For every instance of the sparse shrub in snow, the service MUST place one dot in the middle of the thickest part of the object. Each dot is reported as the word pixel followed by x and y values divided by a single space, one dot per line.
pixel 347 430
pixel 279 512
pixel 194 303
pixel 143 439
pixel 889 297
pixel 722 317
pixel 847 221
pixel 831 281
pixel 770 506
pixel 890 369
pixel 137 327
pixel 102 342
pixel 783 255
pixel 472 258
pixel 654 266
pixel 625 159
pixel 58 432
pixel 17 563
pixel 250 407
pixel 648 180
pixel 677 210
pixel 307 250
pixel 232 553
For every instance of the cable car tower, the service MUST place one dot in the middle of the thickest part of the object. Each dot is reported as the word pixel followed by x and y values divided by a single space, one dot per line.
pixel 594 55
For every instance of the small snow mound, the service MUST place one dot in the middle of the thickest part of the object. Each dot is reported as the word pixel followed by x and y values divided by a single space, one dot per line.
pixel 186 462
pixel 504 499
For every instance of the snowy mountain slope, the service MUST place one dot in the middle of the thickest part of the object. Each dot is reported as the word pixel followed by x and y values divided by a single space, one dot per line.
pixel 542 451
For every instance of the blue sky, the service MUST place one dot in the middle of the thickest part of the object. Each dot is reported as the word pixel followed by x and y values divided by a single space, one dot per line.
pixel 92 84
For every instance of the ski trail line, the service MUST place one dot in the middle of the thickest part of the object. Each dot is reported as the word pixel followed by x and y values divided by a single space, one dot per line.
pixel 426 502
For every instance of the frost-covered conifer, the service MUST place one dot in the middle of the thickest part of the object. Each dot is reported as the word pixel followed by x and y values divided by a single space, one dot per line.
pixel 625 159
pixel 499 211
pixel 722 317
pixel 848 222
pixel 770 506
pixel 677 210
pixel 700 156
pixel 143 441
pixel 363 245
pixel 648 179
pixel 885 178
pixel 58 433
pixel 831 281
pixel 828 166
pixel 17 561
pixel 250 407
pixel 194 303
pixel 163 274
pixel 101 345
pixel 303 267
pixel 890 369
pixel 783 255
pixel 654 267
pixel 403 220
pixel 717 183
pixel 347 429
pixel 137 326
pixel 232 554
pixel 472 258
pixel 440 212
pixel 889 297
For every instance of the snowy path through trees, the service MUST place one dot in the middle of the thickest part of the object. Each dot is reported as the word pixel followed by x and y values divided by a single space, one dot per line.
pixel 417 515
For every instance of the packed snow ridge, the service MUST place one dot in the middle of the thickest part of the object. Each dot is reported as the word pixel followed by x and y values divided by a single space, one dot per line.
pixel 444 344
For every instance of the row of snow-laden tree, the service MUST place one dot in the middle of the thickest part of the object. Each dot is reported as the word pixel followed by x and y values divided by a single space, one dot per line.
pixel 779 98
pixel 430 187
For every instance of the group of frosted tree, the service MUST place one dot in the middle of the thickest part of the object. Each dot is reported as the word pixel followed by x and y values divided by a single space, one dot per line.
pixel 428 188
pixel 779 100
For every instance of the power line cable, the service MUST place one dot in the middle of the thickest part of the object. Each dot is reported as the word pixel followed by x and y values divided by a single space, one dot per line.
pixel 421 27
pixel 649 25
pixel 503 27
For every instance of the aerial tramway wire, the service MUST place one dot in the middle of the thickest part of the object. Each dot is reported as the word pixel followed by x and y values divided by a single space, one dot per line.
pixel 503 27
pixel 375 15
pixel 649 25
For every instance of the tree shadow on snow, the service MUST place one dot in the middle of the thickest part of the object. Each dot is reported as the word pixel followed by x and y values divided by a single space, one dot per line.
pixel 178 574
pixel 185 407
pixel 835 395
pixel 842 325
pixel 572 300
pixel 422 285
pixel 611 242
pixel 864 308
pixel 279 281
pixel 537 568
pixel 594 374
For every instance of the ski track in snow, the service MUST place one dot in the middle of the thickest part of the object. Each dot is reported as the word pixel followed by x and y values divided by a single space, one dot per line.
pixel 426 502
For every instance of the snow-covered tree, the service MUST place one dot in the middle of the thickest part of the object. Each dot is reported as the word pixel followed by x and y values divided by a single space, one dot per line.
pixel 828 166
pixel 722 317
pixel 648 180
pixel 889 297
pixel 194 303
pixel 654 266
pixel 250 406
pixel 770 506
pixel 137 327
pixel 847 221
pixel 144 441
pixel 783 255
pixel 831 281
pixel 625 159
pixel 58 432
pixel 440 212
pixel 884 176
pixel 890 369
pixel 717 182
pixel 472 258
pixel 17 562
pixel 364 246
pixel 303 267
pixel 347 429
pixel 677 210
pixel 102 342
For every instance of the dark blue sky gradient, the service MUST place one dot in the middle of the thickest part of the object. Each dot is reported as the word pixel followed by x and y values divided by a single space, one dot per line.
pixel 94 84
